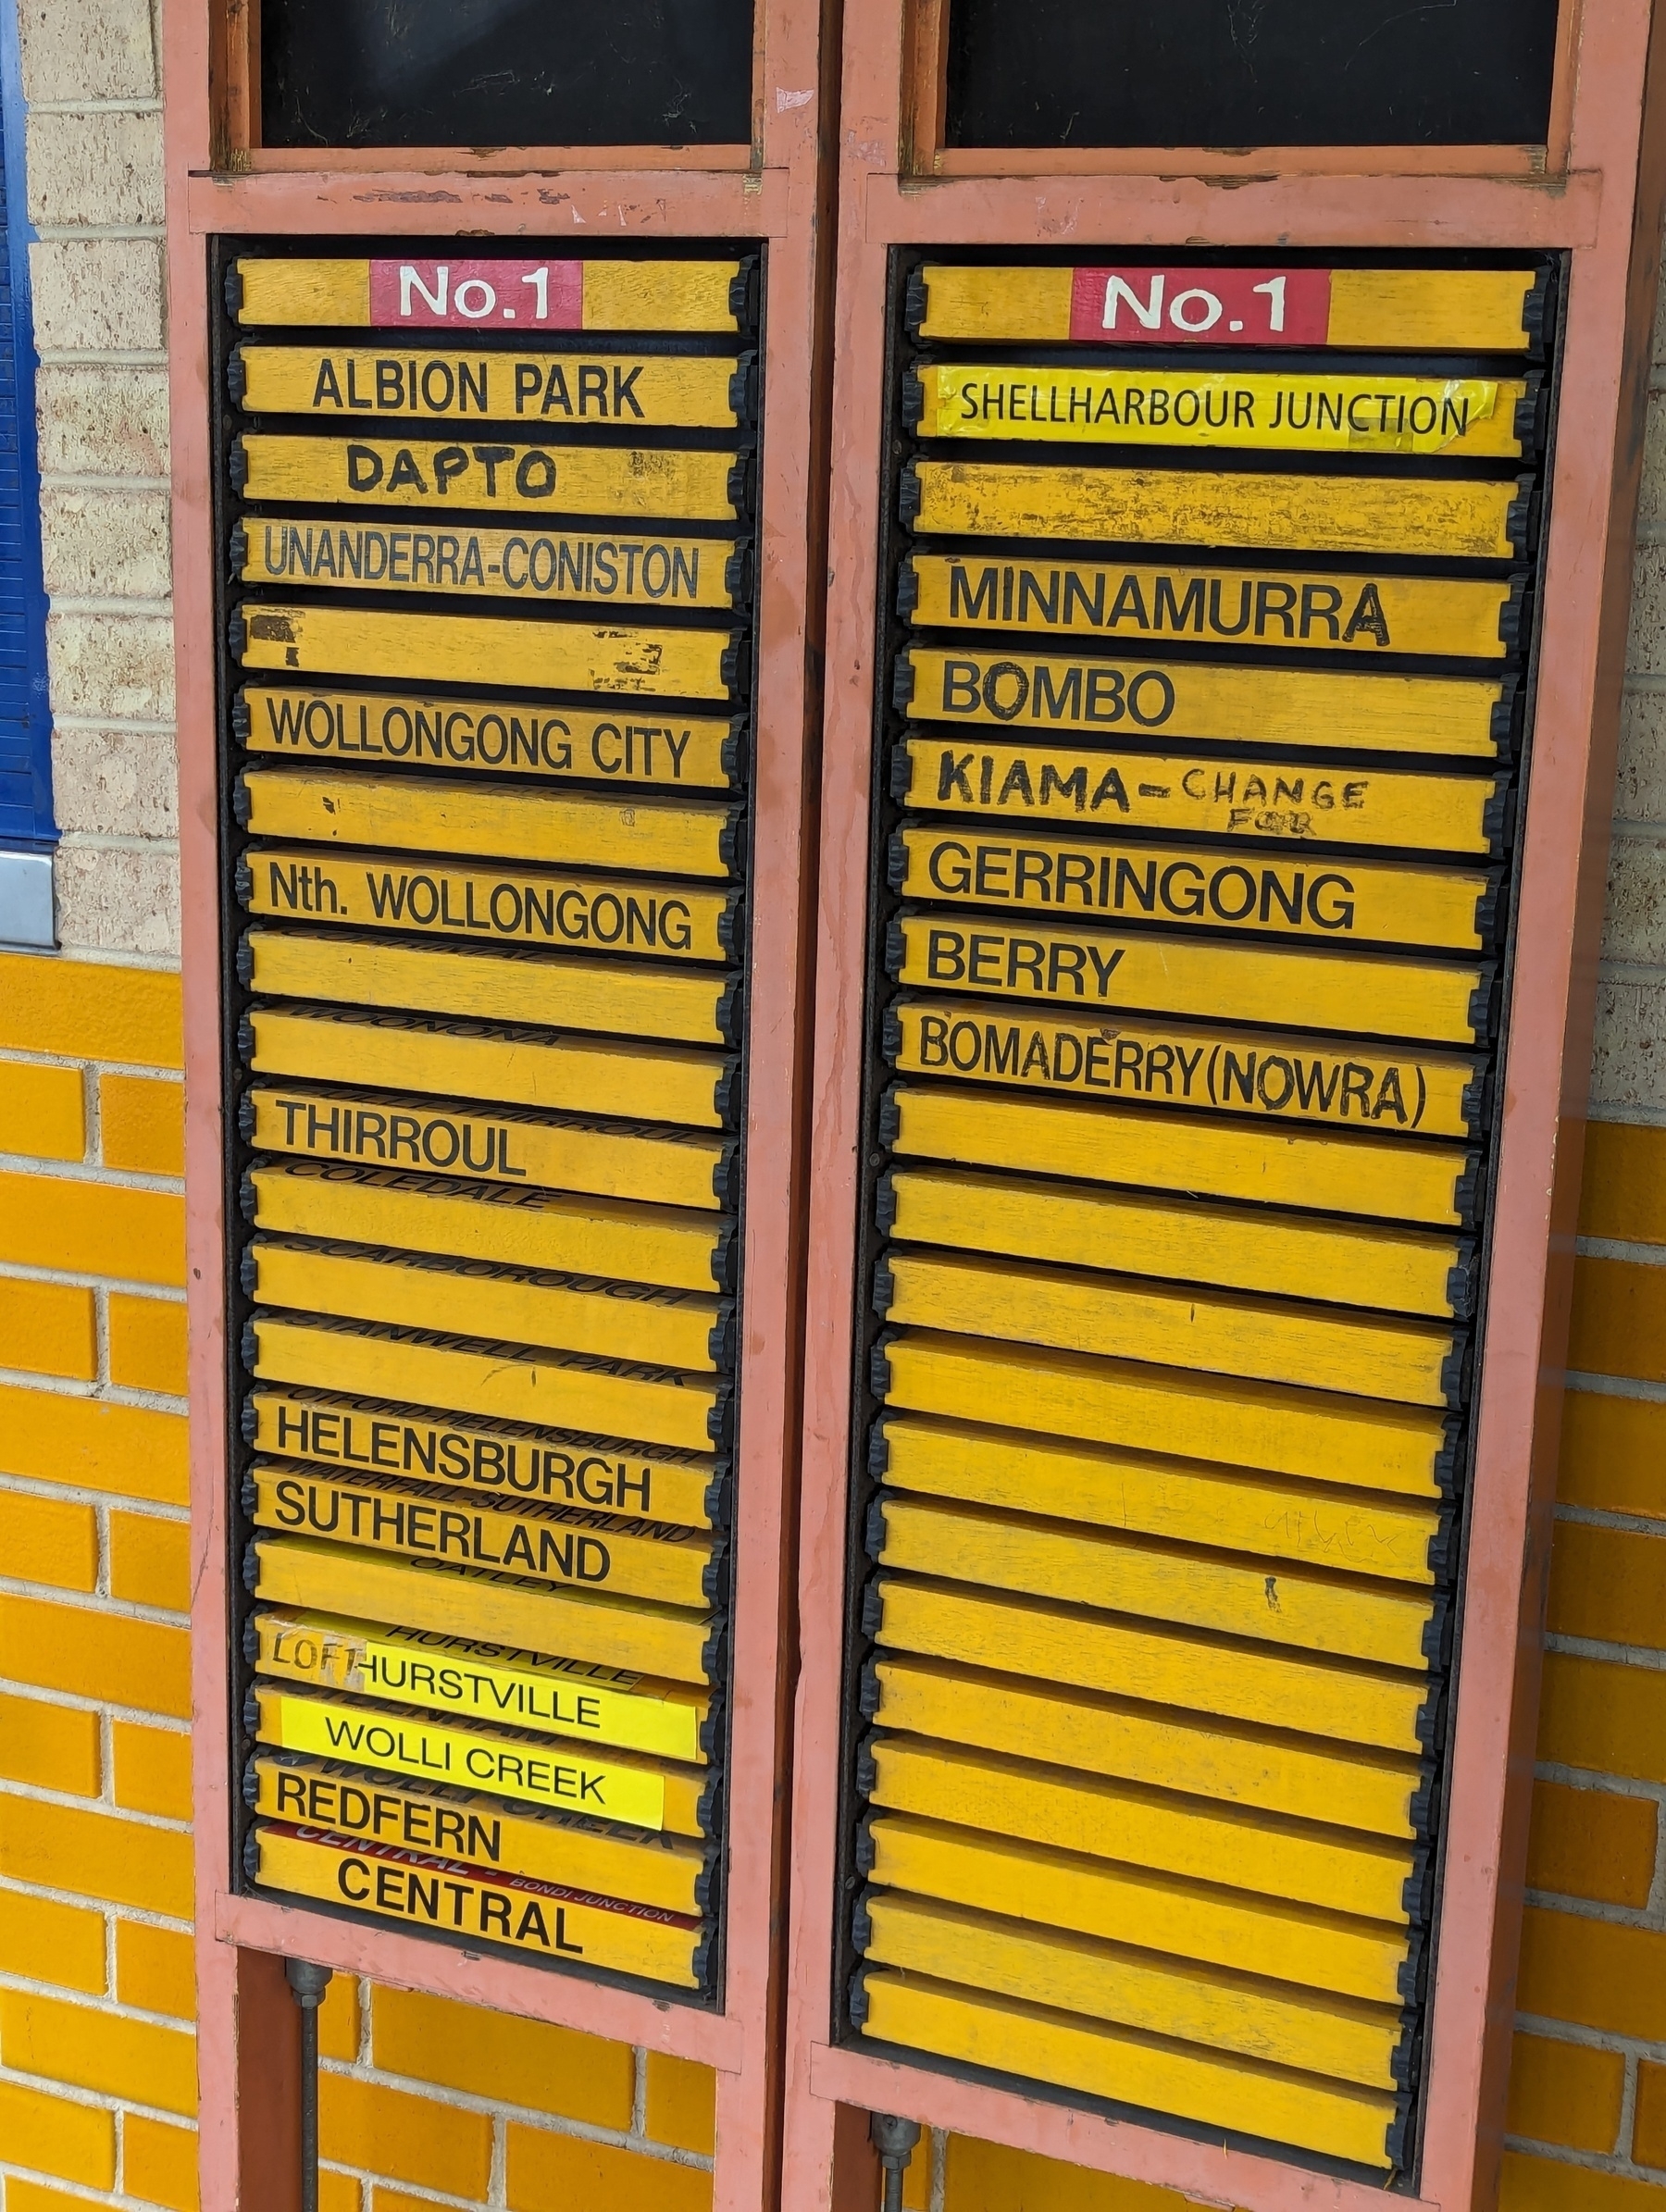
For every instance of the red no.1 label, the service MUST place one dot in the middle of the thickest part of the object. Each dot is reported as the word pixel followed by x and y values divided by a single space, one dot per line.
pixel 451 295
pixel 1217 307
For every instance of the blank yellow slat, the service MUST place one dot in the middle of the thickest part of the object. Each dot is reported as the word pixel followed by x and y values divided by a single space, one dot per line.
pixel 1175 1840
pixel 1243 606
pixel 492 737
pixel 532 1306
pixel 1150 1910
pixel 1320 1526
pixel 525 1226
pixel 544 1920
pixel 321 292
pixel 486 648
pixel 1336 2037
pixel 498 1380
pixel 1153 974
pixel 507 985
pixel 473 1601
pixel 1342 1700
pixel 1005 685
pixel 497 1460
pixel 357 383
pixel 475 1681
pixel 658 296
pixel 1221 513
pixel 1318 1435
pixel 567 1546
pixel 690 836
pixel 536 480
pixel 501 1144
pixel 1128 1574
pixel 1312 1347
pixel 1078 1226
pixel 472 1059
pixel 1169 1063
pixel 484 1831
pixel 1214 2089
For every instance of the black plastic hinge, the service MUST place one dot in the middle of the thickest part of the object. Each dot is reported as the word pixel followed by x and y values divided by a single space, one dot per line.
pixel 1536 313
pixel 242 881
pixel 873 1535
pixel 705 1890
pixel 707 1811
pixel 743 293
pixel 913 400
pixel 1475 1105
pixel 1502 726
pixel 248 1349
pixel 1410 1974
pixel 731 927
pixel 913 303
pixel 243 799
pixel 1461 1284
pixel 237 634
pixel 1497 819
pixel 1513 615
pixel 1446 1467
pixel 246 1038
pixel 896 862
pixel 250 1640
pixel 885 1203
pixel 1435 1637
pixel 716 1572
pixel 251 1707
pixel 1396 2136
pixel 1483 1005
pixel 890 1035
pixel 1414 1890
pixel 896 947
pixel 879 1374
pixel 726 1095
pixel 867 1766
pixel 1522 518
pixel 250 1785
pixel 251 1574
pixel 724 1253
pixel 743 389
pixel 861 1923
pixel 701 1964
pixel 867 1701
pixel 245 1117
pixel 727 1178
pixel 736 575
pixel 873 1607
pixel 248 1197
pixel 732 758
pixel 720 1338
pixel 878 1457
pixel 710 1738
pixel 717 1499
pixel 1402 2059
pixel 735 667
pixel 908 590
pixel 710 1657
pixel 858 2002
pixel 1467 1189
pixel 1420 1810
pixel 248 1426
pixel 238 548
pixel 729 1011
pixel 866 1852
pixel 239 719
pixel 901 775
pixel 731 840
pixel 251 1496
pixel 246 961
pixel 885 1288
pixel 234 290
pixel 890 1119
pixel 1530 411
pixel 902 684
pixel 1442 1554
pixel 720 1422
pixel 1487 907
pixel 251 1854
pixel 1454 1373
pixel 908 497
pixel 1429 1716
pixel 248 1271
pixel 740 487
pixel 237 464
pixel 237 375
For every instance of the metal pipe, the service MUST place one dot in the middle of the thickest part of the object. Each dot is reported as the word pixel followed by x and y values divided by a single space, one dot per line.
pixel 894 2139
pixel 308 1984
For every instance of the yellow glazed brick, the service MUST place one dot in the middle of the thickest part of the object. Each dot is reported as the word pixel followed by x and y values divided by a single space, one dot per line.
pixel 42 1940
pixel 563 2173
pixel 159 2163
pixel 1593 1973
pixel 96 1855
pixel 338 2192
pixel 88 1010
pixel 1623 1193
pixel 1538 2185
pixel 1611 1718
pixel 147 1343
pixel 89 1227
pixel 48 1540
pixel 122 1450
pixel 49 1746
pixel 1648 2126
pixel 53 2136
pixel 511 2061
pixel 986 2177
pixel 104 1656
pixel 135 2060
pixel 1608 1584
pixel 1613 1454
pixel 48 1328
pixel 1591 1843
pixel 150 1561
pixel 682 2103
pixel 153 1770
pixel 142 1125
pixel 43 1111
pixel 1618 1320
pixel 1565 2093
pixel 407 2138
pixel 917 2178
pixel 339 2019
pixel 155 1970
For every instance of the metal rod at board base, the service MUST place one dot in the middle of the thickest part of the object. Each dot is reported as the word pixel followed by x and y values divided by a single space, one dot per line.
pixel 894 2138
pixel 308 1984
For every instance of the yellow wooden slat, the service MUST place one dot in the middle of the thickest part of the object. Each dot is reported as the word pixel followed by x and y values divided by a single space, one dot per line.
pixel 995 302
pixel 458 1058
pixel 487 1833
pixel 1318 1435
pixel 568 1545
pixel 1340 1700
pixel 490 737
pixel 1214 2089
pixel 499 1381
pixel 658 296
pixel 495 1460
pixel 1269 985
pixel 485 649
pixel 502 986
pixel 622 484
pixel 353 384
pixel 416 1212
pixel 691 837
pixel 1190 1840
pixel 1171 1063
pixel 534 1306
pixel 1016 686
pixel 1048 782
pixel 477 1681
pixel 304 291
pixel 1406 1361
pixel 1079 1226
pixel 1301 1607
pixel 1319 610
pixel 1320 1526
pixel 1150 1910
pixel 1449 310
pixel 1448 516
pixel 477 1602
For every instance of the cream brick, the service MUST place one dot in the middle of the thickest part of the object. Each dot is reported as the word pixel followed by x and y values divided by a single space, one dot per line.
pixel 94 295
pixel 115 665
pixel 1634 927
pixel 105 544
pixel 1640 790
pixel 96 421
pixel 1645 645
pixel 117 899
pixel 104 168
pixel 116 783
pixel 1630 1064
pixel 1652 506
pixel 87 50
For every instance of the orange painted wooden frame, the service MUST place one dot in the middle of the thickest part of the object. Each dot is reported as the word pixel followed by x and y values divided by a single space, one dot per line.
pixel 1605 209
pixel 249 2155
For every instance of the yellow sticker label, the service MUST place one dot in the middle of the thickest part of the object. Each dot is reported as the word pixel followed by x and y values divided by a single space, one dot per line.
pixel 347 383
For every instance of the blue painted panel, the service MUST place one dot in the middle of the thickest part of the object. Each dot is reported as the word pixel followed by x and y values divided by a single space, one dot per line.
pixel 25 720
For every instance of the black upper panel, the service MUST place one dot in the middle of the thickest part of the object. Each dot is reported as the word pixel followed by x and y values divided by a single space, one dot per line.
pixel 505 72
pixel 1244 73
